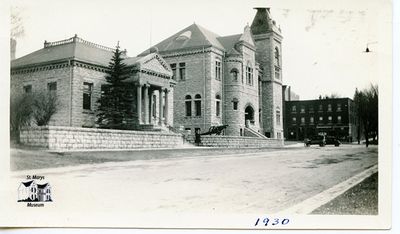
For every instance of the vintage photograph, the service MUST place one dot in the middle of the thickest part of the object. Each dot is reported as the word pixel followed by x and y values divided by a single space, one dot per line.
pixel 199 114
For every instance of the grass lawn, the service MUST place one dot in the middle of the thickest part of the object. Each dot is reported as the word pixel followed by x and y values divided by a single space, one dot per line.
pixel 26 158
pixel 362 199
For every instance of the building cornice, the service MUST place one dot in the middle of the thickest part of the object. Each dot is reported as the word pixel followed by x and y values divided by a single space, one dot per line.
pixel 57 64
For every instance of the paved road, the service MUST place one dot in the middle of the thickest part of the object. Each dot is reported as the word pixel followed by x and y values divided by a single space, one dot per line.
pixel 264 182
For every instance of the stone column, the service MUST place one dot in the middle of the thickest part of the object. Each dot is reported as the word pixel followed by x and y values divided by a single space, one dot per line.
pixel 146 104
pixel 166 106
pixel 151 107
pixel 160 112
pixel 139 103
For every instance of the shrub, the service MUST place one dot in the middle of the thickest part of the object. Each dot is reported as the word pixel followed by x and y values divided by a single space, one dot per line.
pixel 44 105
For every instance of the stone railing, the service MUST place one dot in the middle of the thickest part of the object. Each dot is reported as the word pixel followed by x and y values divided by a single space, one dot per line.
pixel 66 138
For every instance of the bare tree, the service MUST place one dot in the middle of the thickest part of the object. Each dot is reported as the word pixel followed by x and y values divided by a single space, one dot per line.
pixel 44 105
pixel 20 113
pixel 366 103
pixel 17 26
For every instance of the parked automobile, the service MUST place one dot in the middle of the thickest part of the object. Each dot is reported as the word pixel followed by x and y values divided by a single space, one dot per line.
pixel 315 140
pixel 331 140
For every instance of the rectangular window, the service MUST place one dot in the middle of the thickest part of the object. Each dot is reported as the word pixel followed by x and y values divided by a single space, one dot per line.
pixel 235 105
pixel 311 120
pixel 218 108
pixel 249 75
pixel 294 119
pixel 303 120
pixel 293 108
pixel 278 117
pixel 182 71
pixel 28 89
pixel 197 104
pixel 330 118
pixel 52 86
pixel 87 95
pixel 329 107
pixel 320 108
pixel 310 109
pixel 321 118
pixel 339 119
pixel 302 109
pixel 339 107
pixel 173 68
pixel 218 70
pixel 188 108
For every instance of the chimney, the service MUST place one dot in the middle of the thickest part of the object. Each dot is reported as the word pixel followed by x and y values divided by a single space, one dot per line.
pixel 13 48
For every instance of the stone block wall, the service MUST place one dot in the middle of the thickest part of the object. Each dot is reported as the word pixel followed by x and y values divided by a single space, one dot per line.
pixel 38 78
pixel 81 74
pixel 240 142
pixel 68 138
pixel 200 79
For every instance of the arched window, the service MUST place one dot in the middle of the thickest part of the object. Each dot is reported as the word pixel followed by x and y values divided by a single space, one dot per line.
pixel 277 62
pixel 197 104
pixel 234 74
pixel 188 105
pixel 235 102
pixel 217 105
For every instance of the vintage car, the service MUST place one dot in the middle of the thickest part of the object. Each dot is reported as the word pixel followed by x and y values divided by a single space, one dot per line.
pixel 315 140
pixel 331 140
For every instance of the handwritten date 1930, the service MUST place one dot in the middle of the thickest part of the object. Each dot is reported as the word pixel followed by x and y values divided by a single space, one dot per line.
pixel 271 222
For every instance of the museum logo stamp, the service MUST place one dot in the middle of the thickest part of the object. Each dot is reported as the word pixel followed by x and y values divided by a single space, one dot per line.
pixel 34 191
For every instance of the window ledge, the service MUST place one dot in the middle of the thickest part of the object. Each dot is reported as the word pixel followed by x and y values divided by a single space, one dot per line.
pixel 88 111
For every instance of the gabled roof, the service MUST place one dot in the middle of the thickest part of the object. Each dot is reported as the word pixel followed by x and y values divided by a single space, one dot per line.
pixel 41 186
pixel 189 37
pixel 72 48
pixel 228 42
pixel 152 62
pixel 27 184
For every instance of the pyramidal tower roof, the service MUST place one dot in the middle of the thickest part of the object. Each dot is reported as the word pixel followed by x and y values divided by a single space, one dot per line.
pixel 263 23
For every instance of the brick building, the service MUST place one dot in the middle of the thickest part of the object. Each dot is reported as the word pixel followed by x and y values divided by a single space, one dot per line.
pixel 230 80
pixel 332 117
pixel 204 79
pixel 75 70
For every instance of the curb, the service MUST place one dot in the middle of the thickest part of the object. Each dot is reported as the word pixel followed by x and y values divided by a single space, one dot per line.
pixel 310 204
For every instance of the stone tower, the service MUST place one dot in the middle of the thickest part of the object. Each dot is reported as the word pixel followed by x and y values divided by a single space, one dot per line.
pixel 268 39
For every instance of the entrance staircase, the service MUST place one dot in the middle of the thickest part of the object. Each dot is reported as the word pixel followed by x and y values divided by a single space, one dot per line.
pixel 253 133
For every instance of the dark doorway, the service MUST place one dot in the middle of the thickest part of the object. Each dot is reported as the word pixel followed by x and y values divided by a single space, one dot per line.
pixel 249 114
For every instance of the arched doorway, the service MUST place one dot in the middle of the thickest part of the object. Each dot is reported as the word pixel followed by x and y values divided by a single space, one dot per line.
pixel 249 115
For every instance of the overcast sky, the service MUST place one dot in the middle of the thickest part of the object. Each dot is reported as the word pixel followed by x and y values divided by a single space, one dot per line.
pixel 323 40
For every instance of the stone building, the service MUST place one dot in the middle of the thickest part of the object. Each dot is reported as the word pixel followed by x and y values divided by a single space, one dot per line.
pixel 233 80
pixel 204 79
pixel 332 117
pixel 75 70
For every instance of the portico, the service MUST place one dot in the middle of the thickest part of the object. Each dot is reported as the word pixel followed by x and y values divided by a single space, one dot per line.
pixel 152 104
pixel 154 86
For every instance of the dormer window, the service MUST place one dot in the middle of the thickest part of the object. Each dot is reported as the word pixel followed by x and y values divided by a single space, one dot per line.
pixel 184 36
